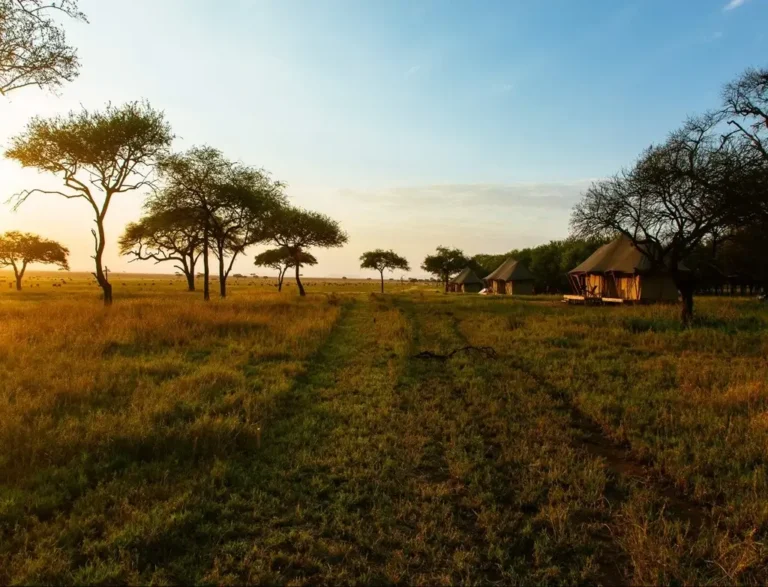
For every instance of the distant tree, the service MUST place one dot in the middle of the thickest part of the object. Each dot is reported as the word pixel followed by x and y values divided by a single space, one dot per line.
pixel 445 263
pixel 20 249
pixel 297 230
pixel 381 261
pixel 98 155
pixel 281 260
pixel 163 236
pixel 33 47
pixel 675 196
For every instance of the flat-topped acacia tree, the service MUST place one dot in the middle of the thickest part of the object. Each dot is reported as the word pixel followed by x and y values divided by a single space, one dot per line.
pixel 297 230
pixel 19 249
pixel 98 155
pixel 162 236
pixel 281 260
pixel 381 261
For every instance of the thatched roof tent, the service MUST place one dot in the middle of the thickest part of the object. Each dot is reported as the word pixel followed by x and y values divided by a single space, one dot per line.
pixel 465 282
pixel 618 256
pixel 511 270
pixel 511 277
pixel 620 271
pixel 467 276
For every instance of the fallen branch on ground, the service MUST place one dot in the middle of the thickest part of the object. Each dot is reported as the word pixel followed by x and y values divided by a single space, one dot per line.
pixel 489 352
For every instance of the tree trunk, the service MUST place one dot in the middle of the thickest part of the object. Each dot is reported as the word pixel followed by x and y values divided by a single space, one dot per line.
pixel 445 283
pixel 686 288
pixel 222 276
pixel 102 280
pixel 382 280
pixel 280 277
pixel 190 273
pixel 298 281
pixel 19 274
pixel 206 269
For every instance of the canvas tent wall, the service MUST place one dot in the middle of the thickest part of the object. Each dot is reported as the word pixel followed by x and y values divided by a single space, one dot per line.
pixel 465 282
pixel 511 277
pixel 620 270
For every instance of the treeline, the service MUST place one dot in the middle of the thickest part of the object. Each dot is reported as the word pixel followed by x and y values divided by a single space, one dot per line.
pixel 549 263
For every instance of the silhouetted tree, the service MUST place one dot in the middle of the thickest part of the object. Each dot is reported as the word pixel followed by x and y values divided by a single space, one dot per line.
pixel 98 155
pixel 445 263
pixel 20 249
pixel 33 47
pixel 381 261
pixel 675 196
pixel 297 230
pixel 281 260
pixel 163 236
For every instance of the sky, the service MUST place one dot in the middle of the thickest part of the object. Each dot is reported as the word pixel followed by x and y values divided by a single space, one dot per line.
pixel 415 123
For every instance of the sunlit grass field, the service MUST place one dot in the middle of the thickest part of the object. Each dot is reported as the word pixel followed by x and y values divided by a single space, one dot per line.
pixel 267 438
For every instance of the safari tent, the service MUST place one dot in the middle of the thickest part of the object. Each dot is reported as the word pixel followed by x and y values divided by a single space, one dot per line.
pixel 511 277
pixel 465 282
pixel 620 272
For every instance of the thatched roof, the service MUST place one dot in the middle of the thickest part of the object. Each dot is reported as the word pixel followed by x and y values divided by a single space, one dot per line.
pixel 618 256
pixel 466 276
pixel 511 270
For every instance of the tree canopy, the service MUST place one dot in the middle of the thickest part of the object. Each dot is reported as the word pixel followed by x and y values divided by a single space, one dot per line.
pixel 19 249
pixel 381 261
pixel 33 46
pixel 97 155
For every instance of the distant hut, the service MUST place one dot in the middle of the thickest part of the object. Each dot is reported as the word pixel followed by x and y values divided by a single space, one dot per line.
pixel 511 277
pixel 620 272
pixel 465 282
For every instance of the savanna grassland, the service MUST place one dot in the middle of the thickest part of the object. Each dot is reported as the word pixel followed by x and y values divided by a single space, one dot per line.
pixel 273 439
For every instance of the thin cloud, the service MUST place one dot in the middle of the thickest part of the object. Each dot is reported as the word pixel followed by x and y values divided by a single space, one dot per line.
pixel 411 71
pixel 545 196
pixel 734 4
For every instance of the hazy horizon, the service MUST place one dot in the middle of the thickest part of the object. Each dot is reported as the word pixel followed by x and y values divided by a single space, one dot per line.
pixel 413 124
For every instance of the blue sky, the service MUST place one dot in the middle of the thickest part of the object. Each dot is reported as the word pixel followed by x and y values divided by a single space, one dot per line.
pixel 471 124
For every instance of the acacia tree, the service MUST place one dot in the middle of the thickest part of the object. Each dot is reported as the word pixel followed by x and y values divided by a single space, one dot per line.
pixel 280 260
pixel 98 155
pixel 381 261
pixel 297 230
pixel 444 263
pixel 230 202
pixel 20 249
pixel 33 47
pixel 163 236
pixel 246 202
pixel 676 196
